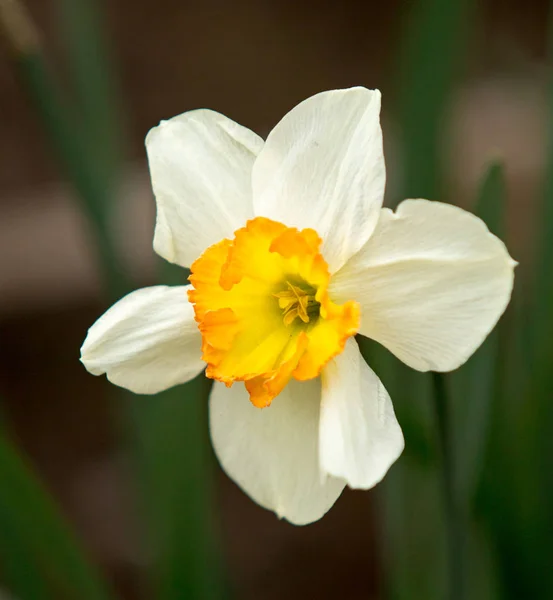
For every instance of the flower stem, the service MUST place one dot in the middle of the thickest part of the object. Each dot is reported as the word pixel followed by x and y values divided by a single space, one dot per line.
pixel 453 520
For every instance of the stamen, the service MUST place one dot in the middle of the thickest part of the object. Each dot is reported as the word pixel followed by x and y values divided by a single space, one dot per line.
pixel 297 302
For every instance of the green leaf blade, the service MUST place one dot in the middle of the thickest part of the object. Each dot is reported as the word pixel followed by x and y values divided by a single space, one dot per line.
pixel 46 558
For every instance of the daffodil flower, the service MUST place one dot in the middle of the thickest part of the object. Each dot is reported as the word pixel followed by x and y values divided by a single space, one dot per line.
pixel 291 255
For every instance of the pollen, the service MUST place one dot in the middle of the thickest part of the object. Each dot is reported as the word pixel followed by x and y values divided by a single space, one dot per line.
pixel 298 302
pixel 262 306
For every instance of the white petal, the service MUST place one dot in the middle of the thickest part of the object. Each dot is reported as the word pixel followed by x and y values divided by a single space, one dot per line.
pixel 432 283
pixel 272 453
pixel 323 167
pixel 201 166
pixel 147 342
pixel 360 437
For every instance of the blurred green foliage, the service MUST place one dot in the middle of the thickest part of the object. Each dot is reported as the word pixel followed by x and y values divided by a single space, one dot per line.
pixel 40 557
pixel 500 401
pixel 419 518
pixel 172 449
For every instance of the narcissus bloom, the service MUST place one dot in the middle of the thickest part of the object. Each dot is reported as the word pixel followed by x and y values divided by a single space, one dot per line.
pixel 291 255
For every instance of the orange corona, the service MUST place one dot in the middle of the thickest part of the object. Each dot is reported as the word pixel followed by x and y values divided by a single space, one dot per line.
pixel 261 303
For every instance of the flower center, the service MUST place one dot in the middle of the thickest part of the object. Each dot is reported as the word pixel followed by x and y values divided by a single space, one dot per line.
pixel 262 305
pixel 298 301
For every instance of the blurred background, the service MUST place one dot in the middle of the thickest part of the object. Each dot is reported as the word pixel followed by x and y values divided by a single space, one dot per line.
pixel 133 479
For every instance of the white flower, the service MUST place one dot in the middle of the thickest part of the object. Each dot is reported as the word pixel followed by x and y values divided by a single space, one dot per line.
pixel 292 254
